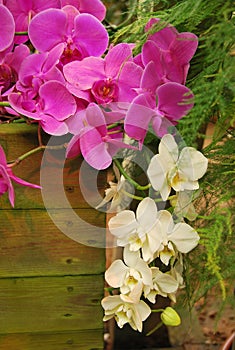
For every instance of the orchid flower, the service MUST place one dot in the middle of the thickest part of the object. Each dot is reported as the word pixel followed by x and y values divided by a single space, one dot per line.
pixel 116 193
pixel 174 238
pixel 24 10
pixel 7 28
pixel 174 102
pixel 38 68
pixel 10 64
pixel 93 140
pixel 94 7
pixel 6 176
pixel 174 169
pixel 51 108
pixel 170 51
pixel 138 232
pixel 163 284
pixel 127 275
pixel 127 308
pixel 106 78
pixel 81 33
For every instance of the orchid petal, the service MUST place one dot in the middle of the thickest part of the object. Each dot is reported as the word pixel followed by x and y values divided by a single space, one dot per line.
pixel 90 35
pixel 7 28
pixel 192 163
pixel 184 237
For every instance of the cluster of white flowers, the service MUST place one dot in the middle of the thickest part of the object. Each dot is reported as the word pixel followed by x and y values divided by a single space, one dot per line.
pixel 150 235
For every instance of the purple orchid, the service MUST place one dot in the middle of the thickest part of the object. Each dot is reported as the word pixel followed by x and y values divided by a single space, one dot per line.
pixel 7 28
pixel 82 34
pixel 10 64
pixel 171 52
pixel 38 68
pixel 93 140
pixel 94 7
pixel 107 80
pixel 51 107
pixel 174 102
pixel 6 176
pixel 24 10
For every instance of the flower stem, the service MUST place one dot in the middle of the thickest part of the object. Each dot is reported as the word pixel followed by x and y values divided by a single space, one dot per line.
pixel 4 104
pixel 132 195
pixel 133 182
pixel 33 151
pixel 21 33
pixel 155 329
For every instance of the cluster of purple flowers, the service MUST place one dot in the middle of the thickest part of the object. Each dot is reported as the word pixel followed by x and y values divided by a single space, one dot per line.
pixel 63 74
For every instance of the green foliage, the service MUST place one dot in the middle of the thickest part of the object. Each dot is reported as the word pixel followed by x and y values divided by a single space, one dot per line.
pixel 212 80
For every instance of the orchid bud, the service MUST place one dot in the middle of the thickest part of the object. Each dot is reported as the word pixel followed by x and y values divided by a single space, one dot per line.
pixel 170 317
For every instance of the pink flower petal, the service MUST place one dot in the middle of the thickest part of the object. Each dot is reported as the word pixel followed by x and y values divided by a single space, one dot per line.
pixel 90 35
pixel 59 103
pixel 94 149
pixel 47 29
pixel 116 57
pixel 174 100
pixel 7 28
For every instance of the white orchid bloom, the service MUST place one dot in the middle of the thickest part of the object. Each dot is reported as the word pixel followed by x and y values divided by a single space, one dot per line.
pixel 116 194
pixel 138 231
pixel 183 206
pixel 175 238
pixel 173 169
pixel 127 309
pixel 127 276
pixel 163 284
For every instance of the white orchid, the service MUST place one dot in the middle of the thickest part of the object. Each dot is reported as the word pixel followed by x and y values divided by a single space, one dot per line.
pixel 138 231
pixel 127 276
pixel 183 206
pixel 163 284
pixel 173 169
pixel 127 308
pixel 175 238
pixel 117 193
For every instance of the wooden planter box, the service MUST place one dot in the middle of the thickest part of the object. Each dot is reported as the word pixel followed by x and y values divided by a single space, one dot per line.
pixel 50 285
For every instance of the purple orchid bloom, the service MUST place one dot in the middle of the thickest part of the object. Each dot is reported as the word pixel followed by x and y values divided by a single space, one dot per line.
pixel 10 64
pixel 7 28
pixel 107 80
pixel 94 7
pixel 6 176
pixel 38 68
pixel 174 102
pixel 51 107
pixel 82 34
pixel 24 10
pixel 171 52
pixel 93 139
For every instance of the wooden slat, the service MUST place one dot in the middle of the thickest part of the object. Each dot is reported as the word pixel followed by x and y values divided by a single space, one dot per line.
pixel 82 340
pixel 30 244
pixel 50 304
pixel 19 139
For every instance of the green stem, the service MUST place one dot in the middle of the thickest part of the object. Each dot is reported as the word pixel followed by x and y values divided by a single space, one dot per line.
pixel 132 195
pixel 21 33
pixel 4 104
pixel 33 151
pixel 133 182
pixel 155 329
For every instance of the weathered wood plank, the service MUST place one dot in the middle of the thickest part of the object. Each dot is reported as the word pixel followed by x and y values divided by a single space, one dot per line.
pixel 86 340
pixel 50 304
pixel 30 243
pixel 19 139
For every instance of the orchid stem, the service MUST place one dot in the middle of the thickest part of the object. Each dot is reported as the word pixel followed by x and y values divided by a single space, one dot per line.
pixel 132 195
pixel 21 33
pixel 4 104
pixel 33 151
pixel 133 182
pixel 154 329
